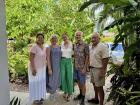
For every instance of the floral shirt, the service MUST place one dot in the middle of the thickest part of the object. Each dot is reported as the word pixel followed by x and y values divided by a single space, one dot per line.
pixel 81 50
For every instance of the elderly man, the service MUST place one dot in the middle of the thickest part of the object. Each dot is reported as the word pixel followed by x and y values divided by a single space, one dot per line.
pixel 81 58
pixel 99 54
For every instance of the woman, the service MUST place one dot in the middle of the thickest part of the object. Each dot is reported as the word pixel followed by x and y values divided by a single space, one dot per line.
pixel 67 67
pixel 55 57
pixel 37 71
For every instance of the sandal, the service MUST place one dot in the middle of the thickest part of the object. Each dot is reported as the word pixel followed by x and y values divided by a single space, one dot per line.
pixel 65 95
pixel 37 102
pixel 69 97
pixel 42 100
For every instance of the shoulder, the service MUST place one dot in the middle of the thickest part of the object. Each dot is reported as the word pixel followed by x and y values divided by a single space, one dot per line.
pixel 33 46
pixel 90 46
pixel 48 47
pixel 85 44
pixel 103 46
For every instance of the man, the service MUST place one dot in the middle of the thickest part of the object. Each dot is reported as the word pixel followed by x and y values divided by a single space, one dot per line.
pixel 99 54
pixel 81 58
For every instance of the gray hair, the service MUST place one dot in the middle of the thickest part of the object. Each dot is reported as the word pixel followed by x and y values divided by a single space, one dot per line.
pixel 54 36
pixel 79 32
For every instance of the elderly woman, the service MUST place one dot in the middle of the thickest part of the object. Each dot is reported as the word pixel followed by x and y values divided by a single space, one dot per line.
pixel 55 57
pixel 37 71
pixel 67 67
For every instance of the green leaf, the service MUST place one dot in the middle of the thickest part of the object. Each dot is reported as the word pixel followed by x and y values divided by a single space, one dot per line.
pixel 86 4
pixel 12 100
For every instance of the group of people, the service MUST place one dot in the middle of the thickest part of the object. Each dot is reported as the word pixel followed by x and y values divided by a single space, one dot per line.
pixel 60 66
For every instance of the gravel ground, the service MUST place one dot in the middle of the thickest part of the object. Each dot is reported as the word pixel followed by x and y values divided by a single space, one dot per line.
pixel 19 87
pixel 21 91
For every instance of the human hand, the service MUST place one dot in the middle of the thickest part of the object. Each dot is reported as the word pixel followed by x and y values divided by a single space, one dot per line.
pixel 88 69
pixel 49 72
pixel 34 72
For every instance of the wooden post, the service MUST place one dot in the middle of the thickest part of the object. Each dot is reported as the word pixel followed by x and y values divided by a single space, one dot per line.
pixel 4 78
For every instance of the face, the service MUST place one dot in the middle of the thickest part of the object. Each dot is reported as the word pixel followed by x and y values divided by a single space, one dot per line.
pixel 65 38
pixel 78 36
pixel 40 39
pixel 53 40
pixel 95 39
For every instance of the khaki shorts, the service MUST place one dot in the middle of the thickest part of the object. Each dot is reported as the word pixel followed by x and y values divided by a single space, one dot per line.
pixel 95 78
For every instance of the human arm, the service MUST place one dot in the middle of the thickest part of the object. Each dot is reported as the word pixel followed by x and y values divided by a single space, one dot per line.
pixel 86 64
pixel 105 59
pixel 48 61
pixel 33 69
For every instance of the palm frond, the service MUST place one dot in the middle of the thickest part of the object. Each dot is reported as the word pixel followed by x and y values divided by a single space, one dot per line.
pixel 96 7
pixel 86 4
pixel 15 101
pixel 122 20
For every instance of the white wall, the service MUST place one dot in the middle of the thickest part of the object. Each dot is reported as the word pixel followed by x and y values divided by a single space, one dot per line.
pixel 4 78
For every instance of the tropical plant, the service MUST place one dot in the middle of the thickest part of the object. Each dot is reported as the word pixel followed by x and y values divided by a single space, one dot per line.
pixel 25 18
pixel 15 101
pixel 126 17
pixel 121 89
pixel 65 18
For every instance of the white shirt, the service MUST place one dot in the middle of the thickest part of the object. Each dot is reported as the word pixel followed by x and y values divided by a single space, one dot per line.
pixel 67 52
pixel 97 53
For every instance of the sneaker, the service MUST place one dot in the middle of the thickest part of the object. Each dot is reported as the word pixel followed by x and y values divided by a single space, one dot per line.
pixel 82 102
pixel 94 101
pixel 52 97
pixel 78 97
